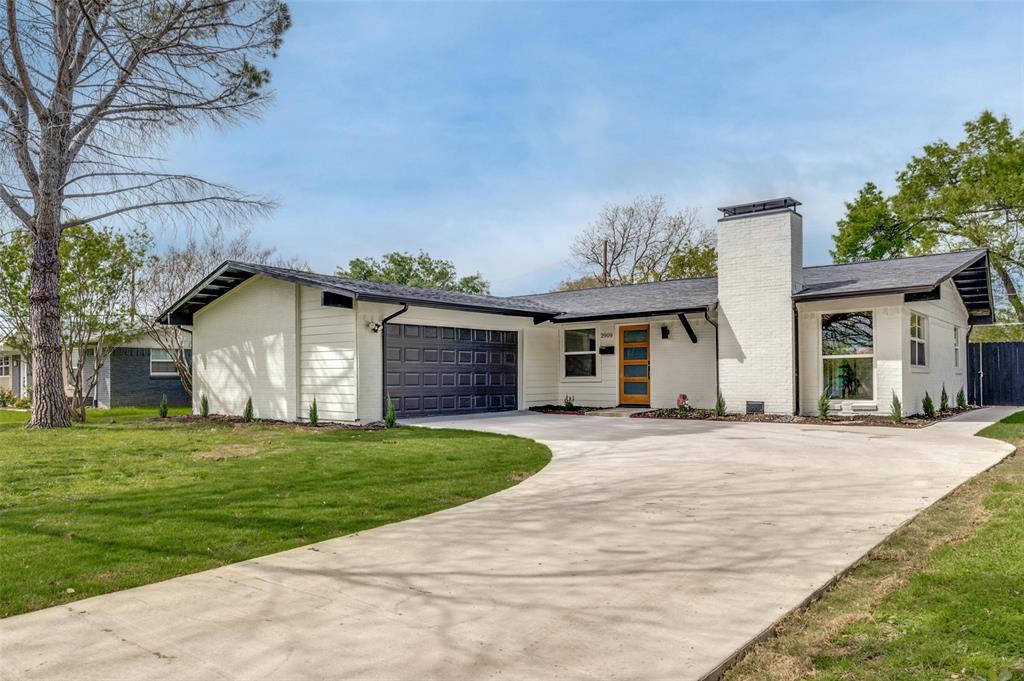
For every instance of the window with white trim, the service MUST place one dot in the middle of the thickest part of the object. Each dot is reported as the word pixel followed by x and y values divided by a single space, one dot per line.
pixel 956 347
pixel 5 366
pixel 918 340
pixel 161 363
pixel 579 346
pixel 848 355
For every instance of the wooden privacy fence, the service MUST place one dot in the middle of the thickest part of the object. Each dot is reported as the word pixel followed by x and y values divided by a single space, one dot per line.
pixel 995 373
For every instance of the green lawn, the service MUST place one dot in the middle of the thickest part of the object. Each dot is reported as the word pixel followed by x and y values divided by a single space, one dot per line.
pixel 119 501
pixel 941 599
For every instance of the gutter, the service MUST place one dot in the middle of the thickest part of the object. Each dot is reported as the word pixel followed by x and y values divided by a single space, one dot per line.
pixel 384 356
pixel 630 315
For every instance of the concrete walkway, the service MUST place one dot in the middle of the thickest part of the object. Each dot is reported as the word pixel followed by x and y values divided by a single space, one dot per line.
pixel 645 550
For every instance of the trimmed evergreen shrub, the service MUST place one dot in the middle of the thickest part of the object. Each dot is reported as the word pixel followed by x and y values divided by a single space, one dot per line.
pixel 927 406
pixel 163 406
pixel 314 417
pixel 896 410
pixel 720 404
pixel 204 406
pixel 943 399
pixel 824 402
pixel 390 418
pixel 247 414
pixel 961 399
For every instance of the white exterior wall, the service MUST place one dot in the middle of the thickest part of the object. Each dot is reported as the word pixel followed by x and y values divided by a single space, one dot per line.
pixel 759 265
pixel 678 366
pixel 889 351
pixel 601 390
pixel 7 382
pixel 536 346
pixel 327 363
pixel 244 345
pixel 940 316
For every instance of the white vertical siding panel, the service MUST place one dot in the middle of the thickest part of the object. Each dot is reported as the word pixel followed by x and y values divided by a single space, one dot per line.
pixel 328 359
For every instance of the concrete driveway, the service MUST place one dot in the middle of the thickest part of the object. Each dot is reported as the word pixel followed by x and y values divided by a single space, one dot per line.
pixel 645 550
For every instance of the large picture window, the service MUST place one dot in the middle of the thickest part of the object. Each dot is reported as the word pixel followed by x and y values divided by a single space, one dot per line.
pixel 161 363
pixel 848 355
pixel 580 352
pixel 918 340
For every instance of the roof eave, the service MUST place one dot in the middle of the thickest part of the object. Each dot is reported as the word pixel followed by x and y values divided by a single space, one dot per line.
pixel 631 315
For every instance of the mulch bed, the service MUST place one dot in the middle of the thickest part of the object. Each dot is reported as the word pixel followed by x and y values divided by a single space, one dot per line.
pixel 915 421
pixel 562 409
pixel 238 421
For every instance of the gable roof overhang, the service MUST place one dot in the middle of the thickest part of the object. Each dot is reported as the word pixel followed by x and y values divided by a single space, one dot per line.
pixel 570 319
pixel 232 274
pixel 971 278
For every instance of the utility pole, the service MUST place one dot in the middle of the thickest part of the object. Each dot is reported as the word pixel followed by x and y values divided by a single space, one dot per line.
pixel 604 268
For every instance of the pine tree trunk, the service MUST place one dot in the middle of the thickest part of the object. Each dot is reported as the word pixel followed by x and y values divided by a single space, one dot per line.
pixel 49 402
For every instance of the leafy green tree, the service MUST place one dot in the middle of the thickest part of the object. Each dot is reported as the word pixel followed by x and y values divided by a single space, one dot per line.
pixel 96 284
pixel 578 284
pixel 950 197
pixel 414 270
pixel 698 259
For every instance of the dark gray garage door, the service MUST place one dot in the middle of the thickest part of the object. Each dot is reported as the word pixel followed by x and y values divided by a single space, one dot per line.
pixel 436 370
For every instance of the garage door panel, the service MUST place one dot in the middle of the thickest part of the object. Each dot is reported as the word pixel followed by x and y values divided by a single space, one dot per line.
pixel 434 370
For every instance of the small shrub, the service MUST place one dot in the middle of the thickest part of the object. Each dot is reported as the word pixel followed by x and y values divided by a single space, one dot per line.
pixel 247 413
pixel 824 401
pixel 927 406
pixel 314 417
pixel 961 399
pixel 204 406
pixel 720 404
pixel 6 398
pixel 23 403
pixel 390 417
pixel 568 402
pixel 896 410
pixel 943 399
pixel 163 406
pixel 683 404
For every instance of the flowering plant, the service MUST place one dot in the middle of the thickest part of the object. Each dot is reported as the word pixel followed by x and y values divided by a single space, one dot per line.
pixel 568 402
pixel 683 404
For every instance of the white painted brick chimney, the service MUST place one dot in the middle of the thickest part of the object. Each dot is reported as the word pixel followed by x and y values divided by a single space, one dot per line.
pixel 760 266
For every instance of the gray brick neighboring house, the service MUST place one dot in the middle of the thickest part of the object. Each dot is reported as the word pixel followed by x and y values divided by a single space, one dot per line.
pixel 135 377
pixel 135 374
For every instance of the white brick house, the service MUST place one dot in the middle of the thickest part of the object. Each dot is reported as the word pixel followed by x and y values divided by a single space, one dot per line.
pixel 768 333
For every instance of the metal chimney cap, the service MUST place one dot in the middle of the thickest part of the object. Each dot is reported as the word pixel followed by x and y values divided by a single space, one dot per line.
pixel 788 203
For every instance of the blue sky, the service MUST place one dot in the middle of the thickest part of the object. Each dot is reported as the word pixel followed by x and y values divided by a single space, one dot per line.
pixel 490 133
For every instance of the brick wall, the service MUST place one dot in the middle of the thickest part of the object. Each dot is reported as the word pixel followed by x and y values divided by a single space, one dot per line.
pixel 132 386
pixel 760 259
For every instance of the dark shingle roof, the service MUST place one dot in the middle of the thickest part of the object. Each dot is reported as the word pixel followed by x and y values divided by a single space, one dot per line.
pixel 372 290
pixel 673 295
pixel 902 275
pixel 899 275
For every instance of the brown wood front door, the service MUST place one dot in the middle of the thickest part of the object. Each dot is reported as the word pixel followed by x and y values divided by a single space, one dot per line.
pixel 635 364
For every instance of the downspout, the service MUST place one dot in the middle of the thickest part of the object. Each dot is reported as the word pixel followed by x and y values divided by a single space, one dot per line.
pixel 384 356
pixel 796 361
pixel 718 388
pixel 966 350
